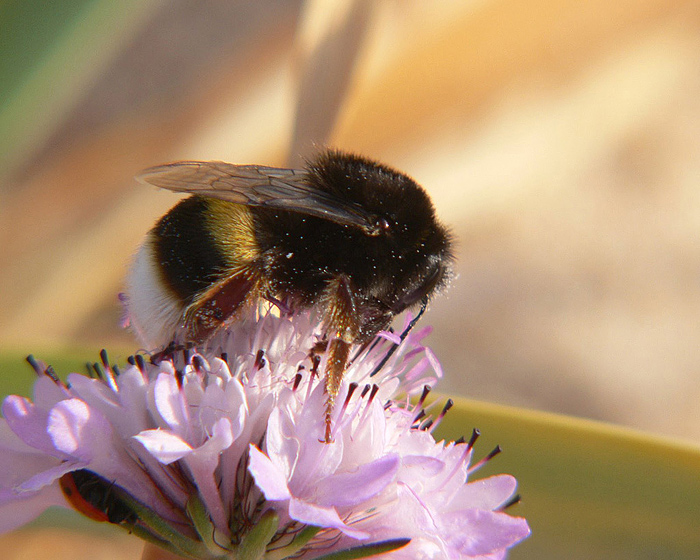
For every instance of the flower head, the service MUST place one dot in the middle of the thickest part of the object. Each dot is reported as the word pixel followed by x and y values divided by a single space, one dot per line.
pixel 220 454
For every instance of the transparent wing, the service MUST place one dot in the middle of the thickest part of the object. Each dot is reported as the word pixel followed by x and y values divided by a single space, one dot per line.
pixel 255 185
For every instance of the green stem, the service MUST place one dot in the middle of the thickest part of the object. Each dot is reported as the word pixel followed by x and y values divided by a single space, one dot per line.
pixel 255 541
pixel 205 528
pixel 161 530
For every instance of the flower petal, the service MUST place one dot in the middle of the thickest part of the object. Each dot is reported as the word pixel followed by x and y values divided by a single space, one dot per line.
pixel 16 510
pixel 164 445
pixel 268 476
pixel 78 430
pixel 321 517
pixel 351 488
pixel 476 531
pixel 486 493
pixel 170 404
pixel 28 422
pixel 203 462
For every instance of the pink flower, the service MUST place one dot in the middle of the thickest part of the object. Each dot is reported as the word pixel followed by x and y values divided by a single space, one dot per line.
pixel 220 455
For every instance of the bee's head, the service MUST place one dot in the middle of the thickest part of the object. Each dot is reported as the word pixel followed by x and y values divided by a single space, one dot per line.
pixel 407 238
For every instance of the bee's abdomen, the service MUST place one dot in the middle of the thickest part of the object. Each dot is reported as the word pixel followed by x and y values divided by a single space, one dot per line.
pixel 186 249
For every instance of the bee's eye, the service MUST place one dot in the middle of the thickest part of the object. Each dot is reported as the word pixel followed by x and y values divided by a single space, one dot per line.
pixel 380 225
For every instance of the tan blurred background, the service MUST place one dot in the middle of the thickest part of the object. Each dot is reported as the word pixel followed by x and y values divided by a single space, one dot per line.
pixel 559 139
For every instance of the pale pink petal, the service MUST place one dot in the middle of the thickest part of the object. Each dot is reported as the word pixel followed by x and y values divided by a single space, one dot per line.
pixel 134 415
pixel 322 517
pixel 202 463
pixel 16 510
pixel 268 477
pixel 78 430
pixel 477 531
pixel 281 444
pixel 351 488
pixel 28 422
pixel 47 393
pixel 170 404
pixel 164 445
pixel 486 493
pixel 46 476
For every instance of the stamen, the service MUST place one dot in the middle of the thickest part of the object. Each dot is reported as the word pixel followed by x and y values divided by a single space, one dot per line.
pixel 373 393
pixel 351 389
pixel 198 363
pixel 224 357
pixel 424 395
pixel 343 409
pixel 260 360
pixel 104 373
pixel 180 378
pixel 510 503
pixel 472 440
pixel 37 366
pixel 367 346
pixel 100 371
pixel 105 358
pixel 141 363
pixel 90 371
pixel 51 374
pixel 419 416
pixel 297 380
pixel 465 454
pixel 426 425
pixel 485 460
pixel 315 361
pixel 372 390
pixel 109 372
pixel 448 405
pixel 404 334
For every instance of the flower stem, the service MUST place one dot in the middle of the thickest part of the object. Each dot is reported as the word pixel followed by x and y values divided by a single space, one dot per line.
pixel 254 542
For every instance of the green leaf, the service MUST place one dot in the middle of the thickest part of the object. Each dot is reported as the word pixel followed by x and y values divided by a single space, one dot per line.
pixel 589 490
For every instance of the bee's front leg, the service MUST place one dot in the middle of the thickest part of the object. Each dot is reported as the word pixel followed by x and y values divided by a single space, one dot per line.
pixel 342 322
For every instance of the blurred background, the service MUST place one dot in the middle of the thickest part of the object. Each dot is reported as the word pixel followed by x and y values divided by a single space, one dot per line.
pixel 558 139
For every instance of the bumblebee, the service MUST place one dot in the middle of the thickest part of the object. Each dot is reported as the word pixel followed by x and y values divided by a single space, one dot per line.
pixel 350 236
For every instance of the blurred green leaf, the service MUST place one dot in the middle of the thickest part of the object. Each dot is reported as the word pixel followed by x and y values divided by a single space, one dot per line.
pixel 17 377
pixel 589 490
